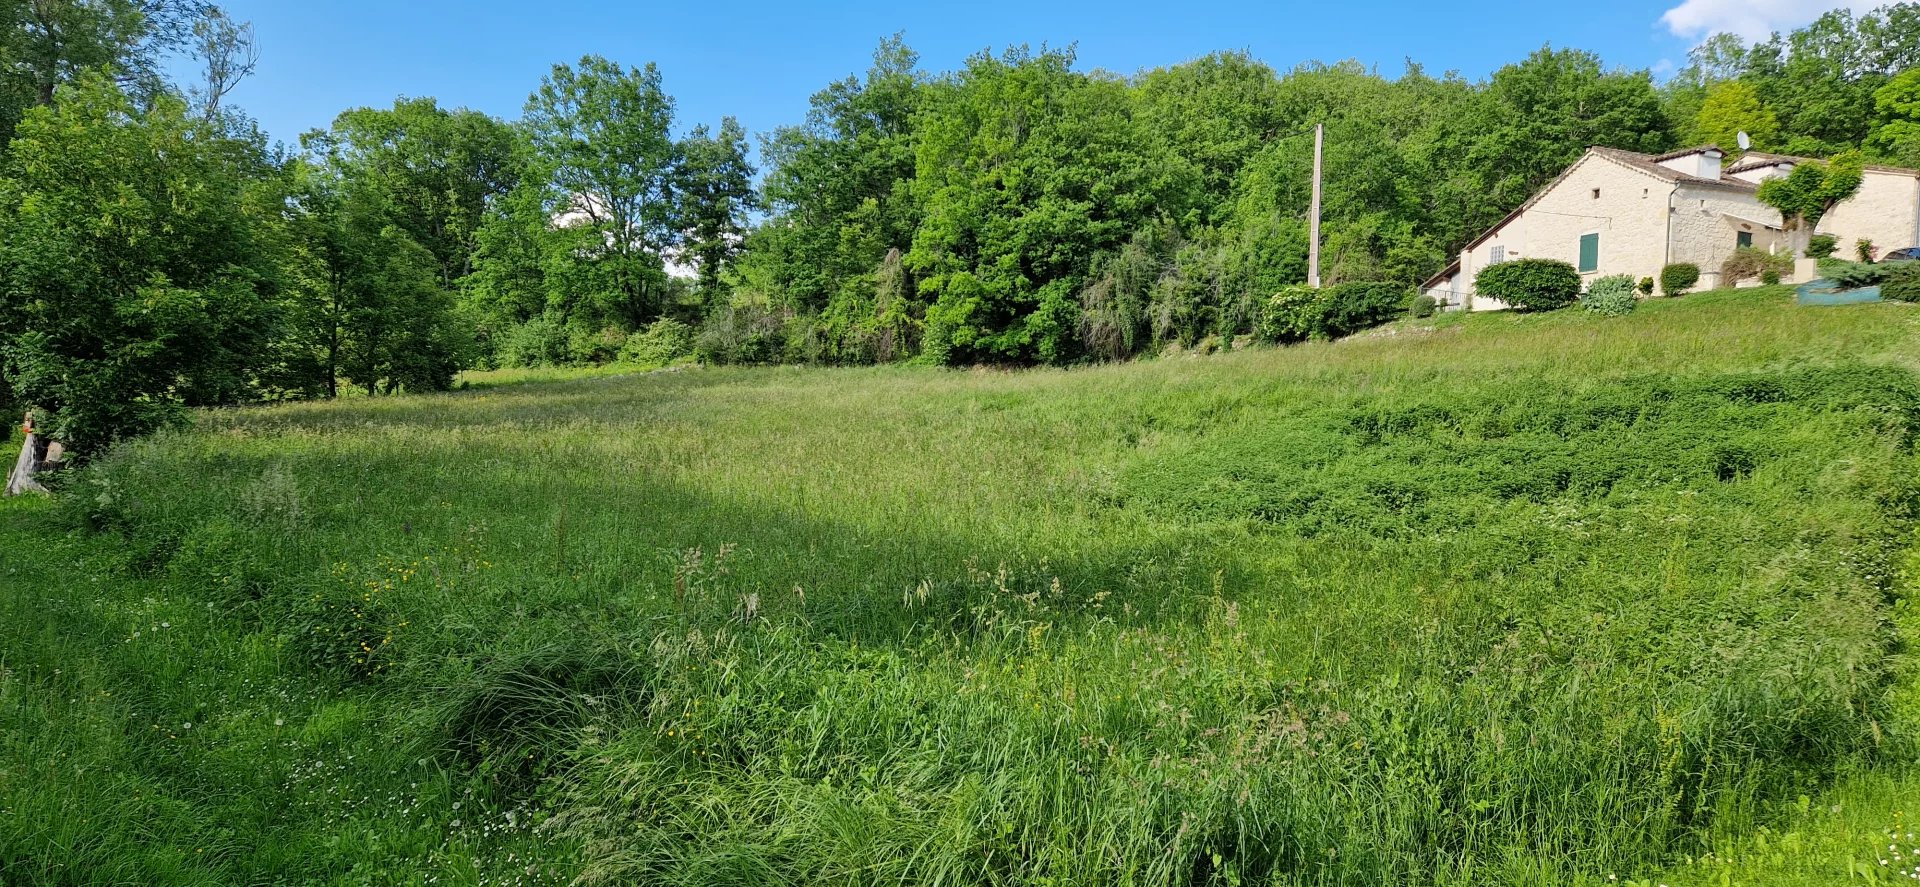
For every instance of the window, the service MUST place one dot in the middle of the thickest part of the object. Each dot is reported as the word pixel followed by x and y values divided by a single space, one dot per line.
pixel 1589 252
pixel 1743 239
pixel 1499 255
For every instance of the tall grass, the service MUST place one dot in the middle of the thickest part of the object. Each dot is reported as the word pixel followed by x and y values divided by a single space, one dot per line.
pixel 1487 600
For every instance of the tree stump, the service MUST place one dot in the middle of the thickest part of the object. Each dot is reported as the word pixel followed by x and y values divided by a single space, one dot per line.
pixel 33 453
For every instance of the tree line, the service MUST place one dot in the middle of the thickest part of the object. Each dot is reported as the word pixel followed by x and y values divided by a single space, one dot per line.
pixel 157 253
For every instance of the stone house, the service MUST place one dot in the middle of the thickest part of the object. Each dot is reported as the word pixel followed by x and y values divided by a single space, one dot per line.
pixel 1623 212
pixel 1885 211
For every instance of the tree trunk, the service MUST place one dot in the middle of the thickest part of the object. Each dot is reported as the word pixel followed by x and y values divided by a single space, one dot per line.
pixel 32 453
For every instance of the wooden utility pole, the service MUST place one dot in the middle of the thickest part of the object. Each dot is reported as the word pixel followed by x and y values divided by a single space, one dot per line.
pixel 1313 223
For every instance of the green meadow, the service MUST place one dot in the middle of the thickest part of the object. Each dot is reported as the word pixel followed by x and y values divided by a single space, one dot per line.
pixel 1491 600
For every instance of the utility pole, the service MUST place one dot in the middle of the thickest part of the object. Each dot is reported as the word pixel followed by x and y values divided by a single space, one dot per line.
pixel 1313 224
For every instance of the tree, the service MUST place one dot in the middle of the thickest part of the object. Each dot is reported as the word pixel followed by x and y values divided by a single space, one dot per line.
pixel 1896 128
pixel 713 191
pixel 1805 195
pixel 227 54
pixel 1554 105
pixel 1025 170
pixel 133 280
pixel 601 143
pixel 371 309
pixel 437 171
pixel 1731 108
pixel 46 43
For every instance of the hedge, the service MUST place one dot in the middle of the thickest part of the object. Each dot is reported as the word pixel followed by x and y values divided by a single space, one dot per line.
pixel 1530 284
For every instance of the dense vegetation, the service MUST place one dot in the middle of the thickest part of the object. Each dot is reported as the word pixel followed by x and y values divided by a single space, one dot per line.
pixel 1496 599
pixel 1013 211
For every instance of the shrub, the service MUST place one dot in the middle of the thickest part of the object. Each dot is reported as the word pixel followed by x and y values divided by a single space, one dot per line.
pixel 1822 246
pixel 743 332
pixel 586 344
pixel 1770 277
pixel 1749 262
pixel 1677 278
pixel 1363 304
pixel 1530 284
pixel 1864 250
pixel 1646 286
pixel 1611 296
pixel 538 342
pixel 1293 314
pixel 663 342
pixel 1902 282
pixel 1422 305
pixel 1853 275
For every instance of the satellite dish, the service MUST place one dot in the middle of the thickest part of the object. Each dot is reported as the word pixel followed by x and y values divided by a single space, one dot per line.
pixel 1744 140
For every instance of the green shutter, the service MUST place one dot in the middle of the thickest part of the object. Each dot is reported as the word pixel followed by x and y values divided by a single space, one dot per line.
pixel 1589 253
pixel 1743 239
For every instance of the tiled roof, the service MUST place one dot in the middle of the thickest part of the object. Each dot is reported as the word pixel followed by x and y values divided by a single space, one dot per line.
pixel 1650 164
pixel 1757 159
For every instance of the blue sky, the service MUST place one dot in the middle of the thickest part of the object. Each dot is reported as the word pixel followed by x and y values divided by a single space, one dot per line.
pixel 760 61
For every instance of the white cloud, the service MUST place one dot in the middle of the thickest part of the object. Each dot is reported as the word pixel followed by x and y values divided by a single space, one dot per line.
pixel 1750 19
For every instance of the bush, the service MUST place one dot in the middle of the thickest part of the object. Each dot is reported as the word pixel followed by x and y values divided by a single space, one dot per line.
pixel 1293 314
pixel 1530 284
pixel 1853 275
pixel 1749 262
pixel 587 344
pixel 1864 250
pixel 1352 307
pixel 1770 277
pixel 743 333
pixel 663 342
pixel 1422 305
pixel 538 342
pixel 1822 246
pixel 1676 279
pixel 1611 296
pixel 1646 286
pixel 1902 282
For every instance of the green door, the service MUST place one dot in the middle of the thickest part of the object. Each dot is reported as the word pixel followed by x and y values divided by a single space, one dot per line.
pixel 1589 253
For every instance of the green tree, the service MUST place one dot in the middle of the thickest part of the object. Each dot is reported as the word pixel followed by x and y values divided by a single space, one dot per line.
pixel 46 43
pixel 1550 108
pixel 1805 195
pixel 713 193
pixel 134 279
pixel 437 170
pixel 1731 108
pixel 602 148
pixel 1025 171
pixel 1896 128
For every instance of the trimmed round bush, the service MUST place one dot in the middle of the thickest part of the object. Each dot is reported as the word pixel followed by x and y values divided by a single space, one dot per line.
pixel 1822 246
pixel 1422 306
pixel 1677 278
pixel 1530 284
pixel 1611 296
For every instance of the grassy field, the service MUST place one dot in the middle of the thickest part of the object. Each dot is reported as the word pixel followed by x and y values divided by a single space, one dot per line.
pixel 1502 599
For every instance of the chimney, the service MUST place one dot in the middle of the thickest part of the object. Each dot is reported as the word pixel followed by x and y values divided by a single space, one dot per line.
pixel 1710 164
pixel 1701 163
